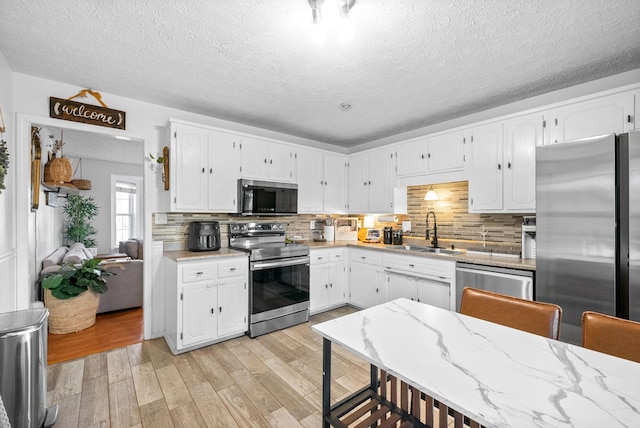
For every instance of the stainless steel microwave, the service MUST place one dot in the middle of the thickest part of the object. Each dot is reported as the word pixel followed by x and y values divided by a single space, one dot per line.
pixel 267 198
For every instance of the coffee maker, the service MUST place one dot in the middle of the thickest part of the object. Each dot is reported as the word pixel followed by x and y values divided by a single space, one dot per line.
pixel 528 237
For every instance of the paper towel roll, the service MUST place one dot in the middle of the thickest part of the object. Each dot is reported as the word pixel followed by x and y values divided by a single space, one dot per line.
pixel 387 219
pixel 329 233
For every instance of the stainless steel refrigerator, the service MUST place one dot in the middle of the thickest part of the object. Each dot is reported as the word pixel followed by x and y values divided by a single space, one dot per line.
pixel 588 228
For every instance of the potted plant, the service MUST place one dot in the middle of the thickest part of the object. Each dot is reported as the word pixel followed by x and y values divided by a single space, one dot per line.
pixel 72 295
pixel 80 210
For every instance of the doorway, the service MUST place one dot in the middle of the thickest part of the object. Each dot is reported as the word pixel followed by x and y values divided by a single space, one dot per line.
pixel 44 232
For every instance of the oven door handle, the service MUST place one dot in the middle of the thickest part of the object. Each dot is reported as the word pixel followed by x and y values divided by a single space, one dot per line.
pixel 280 263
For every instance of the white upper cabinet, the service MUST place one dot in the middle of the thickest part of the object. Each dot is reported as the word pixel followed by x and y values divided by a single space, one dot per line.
pixel 371 181
pixel 521 136
pixel 265 160
pixel 438 154
pixel 604 115
pixel 503 175
pixel 485 183
pixel 321 182
pixel 205 169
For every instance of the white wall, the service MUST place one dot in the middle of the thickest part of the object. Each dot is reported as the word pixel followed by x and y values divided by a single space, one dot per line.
pixel 99 172
pixel 7 198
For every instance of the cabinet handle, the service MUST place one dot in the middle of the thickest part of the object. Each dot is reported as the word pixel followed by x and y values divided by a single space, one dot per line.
pixel 203 170
pixel 199 273
pixel 320 258
pixel 271 161
pixel 509 165
pixel 628 118
pixel 326 286
pixel 499 167
pixel 265 161
pixel 325 183
pixel 369 183
pixel 232 269
pixel 220 308
pixel 365 183
pixel 556 121
pixel 212 311
pixel 377 290
pixel 422 156
pixel 321 182
pixel 210 170
pixel 411 265
pixel 331 285
pixel 428 155
pixel 362 257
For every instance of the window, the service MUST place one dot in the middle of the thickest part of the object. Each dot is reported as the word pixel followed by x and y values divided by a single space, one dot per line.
pixel 126 210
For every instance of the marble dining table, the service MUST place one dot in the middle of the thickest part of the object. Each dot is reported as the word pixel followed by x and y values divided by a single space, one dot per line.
pixel 495 375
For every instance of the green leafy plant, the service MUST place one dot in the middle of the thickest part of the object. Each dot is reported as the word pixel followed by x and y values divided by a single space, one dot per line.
pixel 80 210
pixel 72 280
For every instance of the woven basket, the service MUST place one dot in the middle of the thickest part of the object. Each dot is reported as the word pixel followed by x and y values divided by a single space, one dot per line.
pixel 58 170
pixel 71 315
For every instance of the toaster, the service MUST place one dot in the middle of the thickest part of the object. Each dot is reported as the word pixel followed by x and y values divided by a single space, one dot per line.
pixel 373 235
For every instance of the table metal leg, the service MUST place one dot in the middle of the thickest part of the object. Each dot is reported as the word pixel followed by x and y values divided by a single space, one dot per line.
pixel 326 382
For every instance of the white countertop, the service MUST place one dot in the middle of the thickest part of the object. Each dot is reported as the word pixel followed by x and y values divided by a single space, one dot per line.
pixel 498 376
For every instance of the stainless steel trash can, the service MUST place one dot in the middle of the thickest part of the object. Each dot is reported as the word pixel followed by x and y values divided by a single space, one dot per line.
pixel 23 368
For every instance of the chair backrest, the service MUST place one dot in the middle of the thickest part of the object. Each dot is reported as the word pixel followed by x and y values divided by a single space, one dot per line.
pixel 534 317
pixel 611 335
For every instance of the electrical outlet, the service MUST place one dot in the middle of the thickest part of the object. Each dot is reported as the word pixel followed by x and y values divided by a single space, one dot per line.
pixel 312 224
pixel 161 218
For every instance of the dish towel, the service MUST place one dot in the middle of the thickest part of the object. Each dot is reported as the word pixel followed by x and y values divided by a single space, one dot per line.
pixel 4 419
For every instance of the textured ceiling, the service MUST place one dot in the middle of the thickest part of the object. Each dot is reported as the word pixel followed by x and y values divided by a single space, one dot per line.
pixel 411 63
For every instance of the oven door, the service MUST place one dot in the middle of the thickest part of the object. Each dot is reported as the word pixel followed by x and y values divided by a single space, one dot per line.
pixel 278 287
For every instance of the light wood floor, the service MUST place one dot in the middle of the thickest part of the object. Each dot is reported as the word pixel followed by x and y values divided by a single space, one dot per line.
pixel 274 380
pixel 111 330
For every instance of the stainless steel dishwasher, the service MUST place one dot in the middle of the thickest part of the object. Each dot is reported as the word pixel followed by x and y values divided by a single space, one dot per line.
pixel 512 282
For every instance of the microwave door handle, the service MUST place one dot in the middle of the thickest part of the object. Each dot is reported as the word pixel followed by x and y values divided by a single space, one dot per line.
pixel 279 263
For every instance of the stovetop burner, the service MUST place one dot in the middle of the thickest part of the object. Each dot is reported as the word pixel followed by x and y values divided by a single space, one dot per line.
pixel 264 241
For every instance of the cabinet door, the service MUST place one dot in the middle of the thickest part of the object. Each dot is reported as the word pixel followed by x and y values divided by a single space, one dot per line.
pixel 445 153
pixel 337 278
pixel 485 184
pixel 605 115
pixel 381 181
pixel 366 290
pixel 255 159
pixel 335 185
pixel 358 184
pixel 224 171
pixel 232 305
pixel 400 286
pixel 198 312
pixel 411 158
pixel 190 190
pixel 431 292
pixel 521 136
pixel 310 182
pixel 281 162
pixel 318 287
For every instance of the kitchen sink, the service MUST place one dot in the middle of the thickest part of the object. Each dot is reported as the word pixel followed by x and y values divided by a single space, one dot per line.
pixel 434 250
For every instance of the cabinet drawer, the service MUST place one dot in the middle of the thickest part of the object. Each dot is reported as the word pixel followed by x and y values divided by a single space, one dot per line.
pixel 369 257
pixel 232 267
pixel 319 257
pixel 419 265
pixel 336 255
pixel 198 271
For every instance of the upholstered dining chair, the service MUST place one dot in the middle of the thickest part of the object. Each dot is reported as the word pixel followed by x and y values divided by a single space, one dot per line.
pixel 538 318
pixel 611 335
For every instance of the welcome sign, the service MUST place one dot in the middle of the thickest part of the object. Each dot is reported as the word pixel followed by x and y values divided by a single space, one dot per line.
pixel 86 113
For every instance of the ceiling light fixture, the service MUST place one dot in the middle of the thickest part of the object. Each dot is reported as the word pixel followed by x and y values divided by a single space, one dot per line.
pixel 336 13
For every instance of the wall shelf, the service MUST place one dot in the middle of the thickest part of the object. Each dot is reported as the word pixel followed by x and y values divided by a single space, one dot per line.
pixel 60 188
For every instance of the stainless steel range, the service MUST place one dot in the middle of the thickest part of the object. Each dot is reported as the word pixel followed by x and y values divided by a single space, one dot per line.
pixel 278 276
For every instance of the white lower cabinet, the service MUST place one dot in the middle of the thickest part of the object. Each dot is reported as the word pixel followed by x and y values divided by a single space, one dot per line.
pixel 328 285
pixel 426 280
pixel 366 278
pixel 205 301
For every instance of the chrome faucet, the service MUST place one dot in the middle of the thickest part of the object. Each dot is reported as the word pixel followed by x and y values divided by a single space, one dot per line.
pixel 434 241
